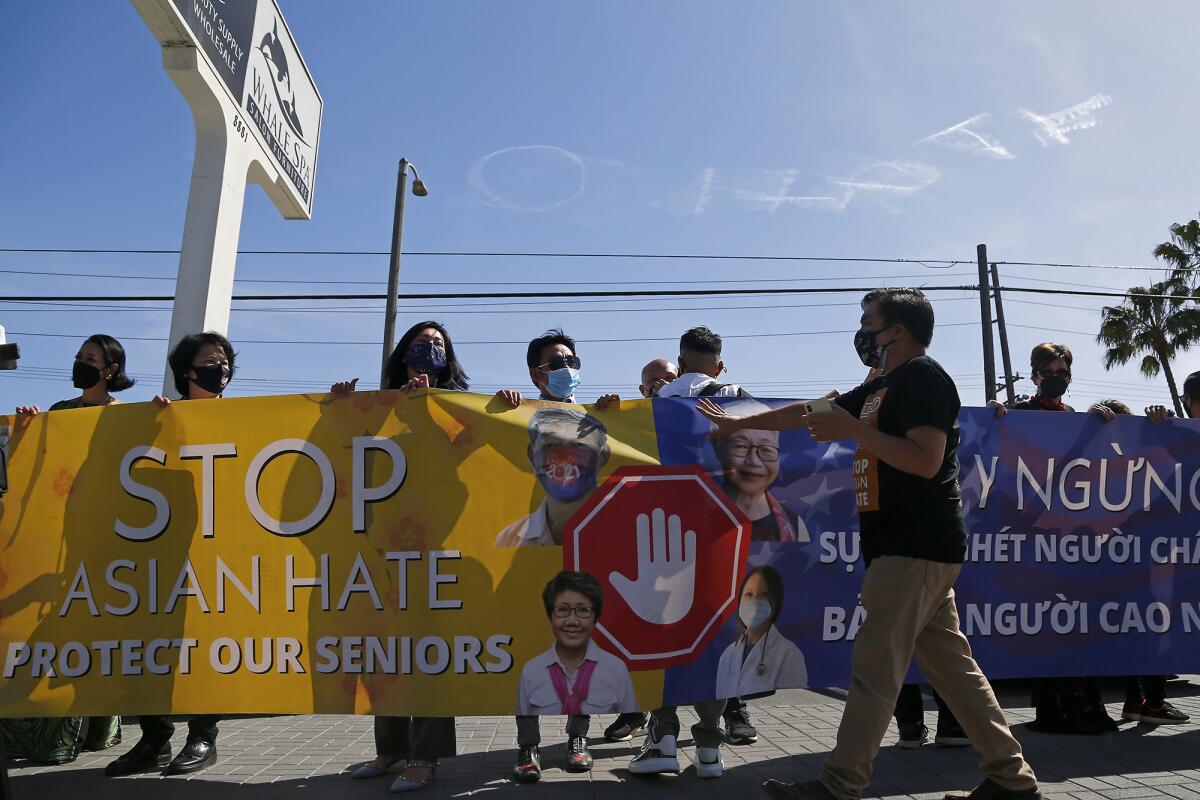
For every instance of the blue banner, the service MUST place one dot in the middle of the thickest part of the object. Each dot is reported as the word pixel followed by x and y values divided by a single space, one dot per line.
pixel 1083 541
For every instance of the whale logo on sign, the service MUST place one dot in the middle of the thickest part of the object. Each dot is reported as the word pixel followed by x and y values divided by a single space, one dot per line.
pixel 272 50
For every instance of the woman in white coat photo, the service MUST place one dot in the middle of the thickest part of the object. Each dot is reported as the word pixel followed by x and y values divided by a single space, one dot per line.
pixel 761 659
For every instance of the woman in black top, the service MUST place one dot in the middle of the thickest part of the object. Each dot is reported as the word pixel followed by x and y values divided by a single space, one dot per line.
pixel 1062 705
pixel 98 372
pixel 202 365
pixel 424 358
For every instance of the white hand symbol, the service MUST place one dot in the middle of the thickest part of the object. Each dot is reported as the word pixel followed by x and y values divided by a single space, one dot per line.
pixel 666 572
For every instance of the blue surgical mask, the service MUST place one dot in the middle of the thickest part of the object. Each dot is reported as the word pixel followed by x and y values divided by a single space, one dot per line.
pixel 753 613
pixel 562 382
pixel 425 358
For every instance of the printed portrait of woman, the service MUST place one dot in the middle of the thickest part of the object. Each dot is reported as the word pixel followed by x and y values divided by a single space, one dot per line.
pixel 761 659
pixel 749 467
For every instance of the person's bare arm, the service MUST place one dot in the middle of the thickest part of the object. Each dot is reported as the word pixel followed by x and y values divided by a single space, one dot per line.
pixel 784 418
pixel 919 452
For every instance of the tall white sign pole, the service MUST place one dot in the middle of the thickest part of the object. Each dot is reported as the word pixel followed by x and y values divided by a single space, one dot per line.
pixel 257 114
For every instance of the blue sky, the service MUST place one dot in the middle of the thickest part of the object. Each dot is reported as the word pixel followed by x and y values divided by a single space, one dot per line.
pixel 773 128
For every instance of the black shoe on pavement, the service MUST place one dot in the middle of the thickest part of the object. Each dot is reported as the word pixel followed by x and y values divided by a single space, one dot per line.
pixel 809 790
pixel 626 727
pixel 1166 714
pixel 950 734
pixel 989 790
pixel 913 735
pixel 195 756
pixel 528 768
pixel 578 757
pixel 738 730
pixel 144 756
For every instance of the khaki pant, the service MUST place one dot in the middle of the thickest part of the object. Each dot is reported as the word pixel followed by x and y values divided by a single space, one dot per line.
pixel 910 613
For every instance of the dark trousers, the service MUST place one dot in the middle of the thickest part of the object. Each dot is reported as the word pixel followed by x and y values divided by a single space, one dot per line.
pixel 529 730
pixel 420 738
pixel 1151 688
pixel 201 728
pixel 705 733
pixel 734 705
pixel 910 707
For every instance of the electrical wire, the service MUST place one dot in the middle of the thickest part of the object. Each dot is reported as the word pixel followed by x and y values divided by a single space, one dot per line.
pixel 671 338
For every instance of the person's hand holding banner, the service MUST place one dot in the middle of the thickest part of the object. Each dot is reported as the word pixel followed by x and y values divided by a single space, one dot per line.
pixel 666 570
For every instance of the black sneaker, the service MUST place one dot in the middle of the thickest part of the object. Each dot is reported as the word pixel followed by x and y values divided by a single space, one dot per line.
pixel 578 757
pixel 1146 714
pixel 738 730
pixel 809 790
pixel 950 734
pixel 989 790
pixel 626 727
pixel 528 768
pixel 913 735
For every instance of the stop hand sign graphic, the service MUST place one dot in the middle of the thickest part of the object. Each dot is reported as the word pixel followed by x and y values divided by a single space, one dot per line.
pixel 669 550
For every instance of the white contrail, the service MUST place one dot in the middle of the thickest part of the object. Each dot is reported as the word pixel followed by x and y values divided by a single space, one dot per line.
pixel 1053 128
pixel 963 137
pixel 704 197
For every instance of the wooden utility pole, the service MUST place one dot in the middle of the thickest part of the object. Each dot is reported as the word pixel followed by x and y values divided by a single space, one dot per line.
pixel 985 320
pixel 1009 378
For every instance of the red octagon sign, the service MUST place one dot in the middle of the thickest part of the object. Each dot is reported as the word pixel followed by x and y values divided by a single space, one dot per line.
pixel 669 549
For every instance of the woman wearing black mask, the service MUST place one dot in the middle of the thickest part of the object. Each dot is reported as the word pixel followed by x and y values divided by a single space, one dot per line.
pixel 99 371
pixel 202 365
pixel 1062 705
pixel 411 746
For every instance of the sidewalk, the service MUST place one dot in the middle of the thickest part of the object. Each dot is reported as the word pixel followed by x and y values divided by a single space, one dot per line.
pixel 307 758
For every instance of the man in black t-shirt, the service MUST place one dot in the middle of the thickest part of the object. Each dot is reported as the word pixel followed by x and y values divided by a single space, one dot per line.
pixel 913 541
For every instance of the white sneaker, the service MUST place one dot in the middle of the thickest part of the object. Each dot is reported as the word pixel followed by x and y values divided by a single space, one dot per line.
pixel 708 762
pixel 656 757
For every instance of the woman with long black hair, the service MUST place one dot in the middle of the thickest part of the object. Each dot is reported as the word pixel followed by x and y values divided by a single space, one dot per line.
pixel 98 372
pixel 411 747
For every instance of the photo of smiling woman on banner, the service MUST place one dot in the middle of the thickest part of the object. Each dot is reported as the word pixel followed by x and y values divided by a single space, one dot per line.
pixel 761 659
pixel 574 676
pixel 749 468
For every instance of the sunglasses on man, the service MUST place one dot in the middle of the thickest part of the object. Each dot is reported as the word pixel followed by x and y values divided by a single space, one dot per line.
pixel 561 362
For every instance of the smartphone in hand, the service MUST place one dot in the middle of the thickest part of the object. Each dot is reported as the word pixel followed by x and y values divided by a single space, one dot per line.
pixel 819 406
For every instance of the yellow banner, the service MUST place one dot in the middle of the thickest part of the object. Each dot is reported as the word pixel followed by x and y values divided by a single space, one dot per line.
pixel 297 554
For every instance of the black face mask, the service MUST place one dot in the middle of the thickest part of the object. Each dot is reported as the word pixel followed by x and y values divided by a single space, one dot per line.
pixel 869 352
pixel 84 376
pixel 1054 385
pixel 212 378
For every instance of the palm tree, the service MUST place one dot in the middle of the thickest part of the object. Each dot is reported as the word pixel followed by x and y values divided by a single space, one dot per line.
pixel 1182 253
pixel 1156 323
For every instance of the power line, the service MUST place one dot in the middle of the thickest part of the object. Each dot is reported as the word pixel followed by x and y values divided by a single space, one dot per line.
pixel 664 256
pixel 592 293
pixel 114 276
pixel 498 254
pixel 1094 266
pixel 480 342
pixel 537 308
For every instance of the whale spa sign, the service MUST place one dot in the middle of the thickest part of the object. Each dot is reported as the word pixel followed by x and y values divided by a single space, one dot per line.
pixel 248 45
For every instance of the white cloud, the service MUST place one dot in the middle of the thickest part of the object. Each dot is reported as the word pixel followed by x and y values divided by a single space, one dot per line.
pixel 486 194
pixel 897 178
pixel 963 137
pixel 1053 128
pixel 777 195
pixel 889 177
pixel 704 196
